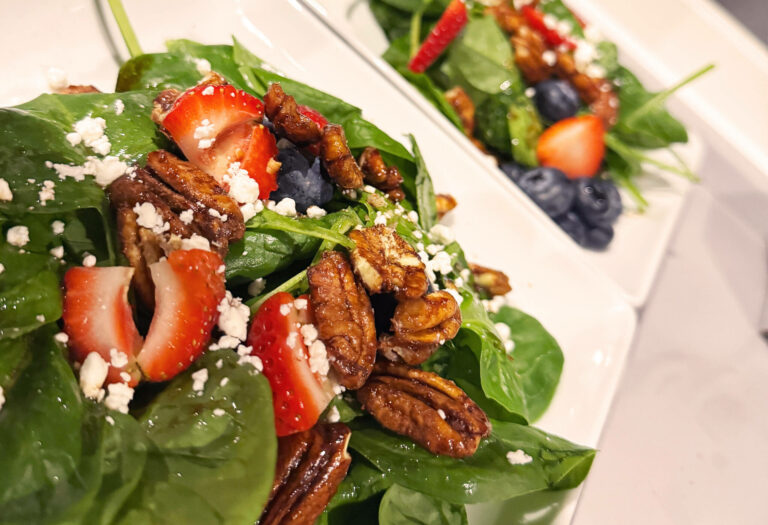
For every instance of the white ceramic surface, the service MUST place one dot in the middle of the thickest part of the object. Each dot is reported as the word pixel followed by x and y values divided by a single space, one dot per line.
pixel 634 256
pixel 587 313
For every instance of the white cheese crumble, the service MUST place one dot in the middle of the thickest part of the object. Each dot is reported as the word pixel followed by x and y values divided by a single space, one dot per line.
pixel 285 309
pixel 549 57
pixel 2 267
pixel 110 420
pixel 117 358
pixel 308 333
pixel 5 191
pixel 61 337
pixel 257 286
pixel 318 358
pixel 196 242
pixel 333 415
pixel 442 234
pixel 494 305
pixel 91 131
pixel 219 364
pixel 218 412
pixel 224 381
pixel 119 107
pixel 125 376
pixel 147 216
pixel 216 213
pixel 104 170
pixel 40 318
pixel 441 413
pixel 2 398
pixel 47 193
pixel 93 373
pixel 242 187
pixel 57 227
pixel 208 91
pixel 233 316
pixel 57 79
pixel 413 216
pixel 202 65
pixel 187 216
pixel 286 207
pixel 456 295
pixel 338 389
pixel 300 304
pixel 17 236
pixel 252 360
pixel 205 130
pixel 315 212
pixel 518 457
pixel 89 261
pixel 118 397
pixel 199 378
pixel 380 220
pixel 205 143
pixel 249 211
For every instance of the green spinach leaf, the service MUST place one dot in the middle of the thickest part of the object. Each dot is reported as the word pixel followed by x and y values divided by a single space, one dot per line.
pixel 401 506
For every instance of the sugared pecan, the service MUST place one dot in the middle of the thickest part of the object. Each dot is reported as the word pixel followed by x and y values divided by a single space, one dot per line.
pixel 163 103
pixel 344 318
pixel 289 122
pixel 597 93
pixel 444 203
pixel 338 160
pixel 529 55
pixel 431 410
pixel 396 195
pixel 494 282
pixel 310 467
pixel 420 326
pixel 73 89
pixel 465 108
pixel 142 248
pixel 386 263
pixel 508 18
pixel 378 174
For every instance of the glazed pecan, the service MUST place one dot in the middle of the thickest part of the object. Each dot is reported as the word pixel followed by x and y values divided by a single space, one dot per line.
pixel 493 282
pixel 431 410
pixel 73 89
pixel 310 467
pixel 289 122
pixel 142 248
pixel 386 263
pixel 444 203
pixel 529 55
pixel 420 326
pixel 338 160
pixel 465 108
pixel 396 195
pixel 344 318
pixel 378 174
pixel 508 18
pixel 597 93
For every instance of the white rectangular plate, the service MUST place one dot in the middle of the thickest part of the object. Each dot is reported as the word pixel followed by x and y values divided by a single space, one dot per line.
pixel 640 241
pixel 587 313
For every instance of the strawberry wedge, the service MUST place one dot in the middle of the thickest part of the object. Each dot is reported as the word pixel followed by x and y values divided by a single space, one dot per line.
pixel 259 160
pixel 450 24
pixel 98 318
pixel 575 146
pixel 188 288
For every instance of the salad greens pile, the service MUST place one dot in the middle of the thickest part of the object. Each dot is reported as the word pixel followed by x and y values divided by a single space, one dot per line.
pixel 67 459
pixel 481 62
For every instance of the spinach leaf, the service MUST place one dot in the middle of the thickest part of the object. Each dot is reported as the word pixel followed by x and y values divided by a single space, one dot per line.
pixel 396 23
pixel 401 506
pixel 425 193
pixel 487 475
pixel 358 496
pixel 524 130
pixel 203 467
pixel 560 11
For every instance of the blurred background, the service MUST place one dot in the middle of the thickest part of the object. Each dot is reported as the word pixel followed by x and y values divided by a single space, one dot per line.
pixel 752 13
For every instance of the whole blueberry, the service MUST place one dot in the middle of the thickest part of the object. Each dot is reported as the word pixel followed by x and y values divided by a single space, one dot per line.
pixel 556 99
pixel 597 201
pixel 549 188
pixel 513 170
pixel 598 237
pixel 306 188
pixel 574 226
pixel 291 159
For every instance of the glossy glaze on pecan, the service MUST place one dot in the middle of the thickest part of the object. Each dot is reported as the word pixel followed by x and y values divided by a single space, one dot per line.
pixel 431 410
pixel 338 160
pixel 444 203
pixel 490 281
pixel 385 262
pixel 310 467
pixel 289 122
pixel 379 175
pixel 344 319
pixel 464 107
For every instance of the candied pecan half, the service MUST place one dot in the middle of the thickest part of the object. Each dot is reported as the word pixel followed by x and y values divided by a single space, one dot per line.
pixel 310 467
pixel 344 318
pixel 431 410
pixel 465 108
pixel 396 195
pixel 289 122
pixel 338 160
pixel 508 18
pixel 444 203
pixel 529 55
pixel 377 173
pixel 142 248
pixel 420 326
pixel 494 282
pixel 163 103
pixel 73 89
pixel 597 93
pixel 386 263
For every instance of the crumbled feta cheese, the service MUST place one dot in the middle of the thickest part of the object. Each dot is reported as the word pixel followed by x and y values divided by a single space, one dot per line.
pixel 550 21
pixel 93 373
pixel 57 227
pixel 208 91
pixel 315 212
pixel 333 415
pixel 104 170
pixel 309 333
pixel 117 358
pixel 338 389
pixel 584 55
pixel 595 71
pixel 252 360
pixel 216 213
pixel 233 316
pixel 433 249
pixel 89 261
pixel 242 188
pixel 118 397
pixel 442 234
pixel 110 420
pixel 40 318
pixel 91 131
pixel 219 364
pixel 224 381
pixel 57 79
pixel 2 398
pixel 369 189
pixel 418 234
pixel 199 377
pixel 495 304
pixel 318 358
pixel 5 191
pixel 530 92
pixel 47 193
pixel 225 341
pixel 61 337
pixel 287 207
pixel 187 216
pixel 380 220
pixel 292 339
pixel 300 303
pixel 413 216
pixel 205 130
pixel 125 376
pixel 250 210
pixel 441 413
pixel 456 295
pixel 205 143
pixel 518 457
pixel 285 309
pixel 503 330
pixel 218 412
pixel 257 286
pixel 2 267
pixel 441 263
pixel 196 242
pixel 17 236
pixel 549 57
pixel 119 107
pixel 202 65
pixel 564 27
pixel 74 138
pixel 592 34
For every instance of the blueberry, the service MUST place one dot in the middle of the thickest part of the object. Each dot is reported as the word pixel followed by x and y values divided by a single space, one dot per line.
pixel 306 188
pixel 574 226
pixel 292 159
pixel 556 99
pixel 598 237
pixel 597 201
pixel 513 170
pixel 549 188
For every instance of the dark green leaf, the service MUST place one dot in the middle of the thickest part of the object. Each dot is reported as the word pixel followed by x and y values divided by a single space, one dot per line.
pixel 402 506
pixel 425 193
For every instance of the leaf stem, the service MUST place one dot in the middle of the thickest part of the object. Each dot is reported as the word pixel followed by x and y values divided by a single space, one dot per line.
pixel 415 33
pixel 291 284
pixel 131 42
pixel 623 149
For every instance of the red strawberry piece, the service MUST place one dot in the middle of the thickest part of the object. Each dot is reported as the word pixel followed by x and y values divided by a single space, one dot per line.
pixel 574 145
pixel 259 160
pixel 535 19
pixel 299 396
pixel 450 24
pixel 98 318
pixel 188 287
pixel 317 118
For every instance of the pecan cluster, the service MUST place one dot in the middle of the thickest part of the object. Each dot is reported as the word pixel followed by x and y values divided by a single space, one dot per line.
pixel 444 203
pixel 380 176
pixel 492 282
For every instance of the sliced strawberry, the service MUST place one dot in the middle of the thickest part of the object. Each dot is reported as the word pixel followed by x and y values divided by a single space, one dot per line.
pixel 451 22
pixel 188 288
pixel 574 145
pixel 259 160
pixel 299 396
pixel 313 115
pixel 98 318
pixel 535 20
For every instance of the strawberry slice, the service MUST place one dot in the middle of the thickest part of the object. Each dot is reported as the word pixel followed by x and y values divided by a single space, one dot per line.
pixel 259 160
pixel 188 288
pixel 316 117
pixel 451 22
pixel 535 19
pixel 574 145
pixel 299 396
pixel 98 318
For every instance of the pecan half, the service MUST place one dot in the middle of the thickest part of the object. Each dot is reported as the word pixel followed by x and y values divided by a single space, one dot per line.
pixel 494 282
pixel 142 248
pixel 378 174
pixel 338 160
pixel 444 203
pixel 597 93
pixel 431 410
pixel 529 55
pixel 465 108
pixel 310 467
pixel 289 122
pixel 344 319
pixel 386 263
pixel 420 326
